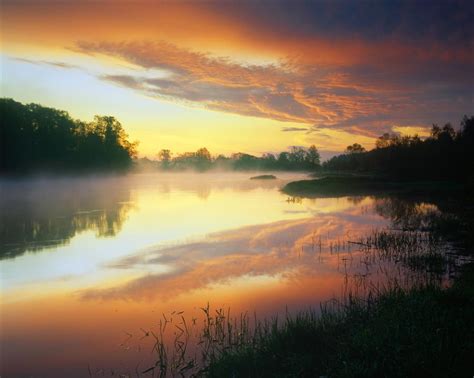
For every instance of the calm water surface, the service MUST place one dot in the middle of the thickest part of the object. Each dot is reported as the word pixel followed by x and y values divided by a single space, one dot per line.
pixel 89 265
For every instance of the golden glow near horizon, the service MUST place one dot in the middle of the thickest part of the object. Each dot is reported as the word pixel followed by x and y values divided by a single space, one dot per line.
pixel 188 75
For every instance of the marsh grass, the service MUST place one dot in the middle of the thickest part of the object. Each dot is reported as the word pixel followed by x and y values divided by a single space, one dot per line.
pixel 421 251
pixel 425 331
pixel 397 334
pixel 407 324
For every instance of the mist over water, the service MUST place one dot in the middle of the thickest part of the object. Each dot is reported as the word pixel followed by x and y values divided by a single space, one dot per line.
pixel 87 261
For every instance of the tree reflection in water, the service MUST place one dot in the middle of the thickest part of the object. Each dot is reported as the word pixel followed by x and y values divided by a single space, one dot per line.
pixel 40 214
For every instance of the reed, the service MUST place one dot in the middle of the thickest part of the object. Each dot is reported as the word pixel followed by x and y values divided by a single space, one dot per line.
pixel 401 327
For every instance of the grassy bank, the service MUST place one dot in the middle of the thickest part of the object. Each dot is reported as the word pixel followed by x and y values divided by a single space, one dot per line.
pixel 426 331
pixel 351 185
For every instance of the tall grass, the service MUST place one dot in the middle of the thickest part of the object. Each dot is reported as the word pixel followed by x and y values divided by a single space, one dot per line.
pixel 425 331
pixel 402 323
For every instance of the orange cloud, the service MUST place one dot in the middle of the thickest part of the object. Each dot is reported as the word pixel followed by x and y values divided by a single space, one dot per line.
pixel 284 91
pixel 311 63
pixel 329 97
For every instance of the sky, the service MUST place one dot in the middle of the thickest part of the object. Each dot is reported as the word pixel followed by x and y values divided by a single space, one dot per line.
pixel 244 76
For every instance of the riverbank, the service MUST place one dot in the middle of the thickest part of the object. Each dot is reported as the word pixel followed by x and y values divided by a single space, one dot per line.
pixel 416 323
pixel 425 331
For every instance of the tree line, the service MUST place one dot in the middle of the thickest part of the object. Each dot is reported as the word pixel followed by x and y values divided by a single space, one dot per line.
pixel 37 138
pixel 297 158
pixel 446 154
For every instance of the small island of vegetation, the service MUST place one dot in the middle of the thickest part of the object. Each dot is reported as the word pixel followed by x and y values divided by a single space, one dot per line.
pixel 263 177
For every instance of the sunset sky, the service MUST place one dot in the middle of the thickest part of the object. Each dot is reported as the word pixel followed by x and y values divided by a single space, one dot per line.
pixel 244 76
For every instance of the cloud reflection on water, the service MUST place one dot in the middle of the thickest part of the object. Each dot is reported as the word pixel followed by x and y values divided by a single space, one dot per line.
pixel 287 249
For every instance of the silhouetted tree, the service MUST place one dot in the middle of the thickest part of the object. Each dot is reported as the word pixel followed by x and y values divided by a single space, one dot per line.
pixel 446 154
pixel 355 149
pixel 383 141
pixel 296 155
pixel 283 160
pixel 165 158
pixel 203 159
pixel 33 137
pixel 312 157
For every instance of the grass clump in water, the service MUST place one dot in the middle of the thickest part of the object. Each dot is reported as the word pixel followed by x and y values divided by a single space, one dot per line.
pixel 424 331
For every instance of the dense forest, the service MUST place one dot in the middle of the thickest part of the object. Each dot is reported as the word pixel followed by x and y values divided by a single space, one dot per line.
pixel 446 154
pixel 36 138
pixel 298 158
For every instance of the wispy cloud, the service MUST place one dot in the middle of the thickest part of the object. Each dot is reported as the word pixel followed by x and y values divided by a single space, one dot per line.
pixel 292 129
pixel 360 98
pixel 48 63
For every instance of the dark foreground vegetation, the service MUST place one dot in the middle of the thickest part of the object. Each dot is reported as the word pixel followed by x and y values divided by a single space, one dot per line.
pixel 416 323
pixel 422 332
pixel 420 329
pixel 34 138
pixel 425 331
